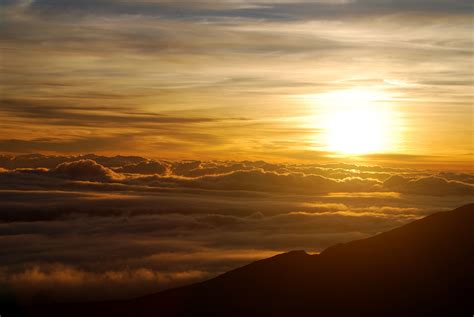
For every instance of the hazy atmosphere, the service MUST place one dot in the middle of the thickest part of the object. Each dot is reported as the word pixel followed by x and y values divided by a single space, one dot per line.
pixel 150 144
pixel 240 79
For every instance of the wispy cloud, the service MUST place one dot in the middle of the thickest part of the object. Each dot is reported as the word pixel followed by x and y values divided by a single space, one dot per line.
pixel 140 67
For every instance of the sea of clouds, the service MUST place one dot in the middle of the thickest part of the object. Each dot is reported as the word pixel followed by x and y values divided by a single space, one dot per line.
pixel 93 227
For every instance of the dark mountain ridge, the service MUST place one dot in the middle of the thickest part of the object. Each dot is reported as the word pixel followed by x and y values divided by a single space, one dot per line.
pixel 425 268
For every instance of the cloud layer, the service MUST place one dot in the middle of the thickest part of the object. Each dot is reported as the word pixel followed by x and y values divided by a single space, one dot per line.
pixel 149 175
pixel 71 226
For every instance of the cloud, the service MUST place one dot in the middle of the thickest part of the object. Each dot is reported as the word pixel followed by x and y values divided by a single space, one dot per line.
pixel 430 185
pixel 87 170
pixel 462 177
pixel 136 173
pixel 217 61
pixel 70 225
pixel 61 283
pixel 146 167
pixel 73 258
pixel 63 145
pixel 51 161
pixel 246 8
pixel 259 180
pixel 59 114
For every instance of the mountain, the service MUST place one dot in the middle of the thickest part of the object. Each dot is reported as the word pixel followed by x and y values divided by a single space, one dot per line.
pixel 425 268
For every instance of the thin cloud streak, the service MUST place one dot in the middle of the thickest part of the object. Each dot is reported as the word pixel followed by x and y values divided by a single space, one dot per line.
pixel 195 70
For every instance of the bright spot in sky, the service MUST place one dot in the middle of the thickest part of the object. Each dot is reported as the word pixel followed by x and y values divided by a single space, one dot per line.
pixel 355 121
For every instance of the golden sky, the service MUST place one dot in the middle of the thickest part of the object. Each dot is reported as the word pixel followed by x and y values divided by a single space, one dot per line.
pixel 224 131
pixel 383 81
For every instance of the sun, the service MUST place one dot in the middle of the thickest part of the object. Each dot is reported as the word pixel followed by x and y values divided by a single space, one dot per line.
pixel 355 122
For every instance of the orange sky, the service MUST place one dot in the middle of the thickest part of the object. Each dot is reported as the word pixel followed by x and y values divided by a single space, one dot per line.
pixel 280 81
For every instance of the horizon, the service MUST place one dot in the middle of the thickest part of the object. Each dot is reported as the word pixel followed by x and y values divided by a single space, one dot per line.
pixel 431 165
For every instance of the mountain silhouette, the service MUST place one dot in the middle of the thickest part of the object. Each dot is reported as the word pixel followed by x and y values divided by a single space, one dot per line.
pixel 425 268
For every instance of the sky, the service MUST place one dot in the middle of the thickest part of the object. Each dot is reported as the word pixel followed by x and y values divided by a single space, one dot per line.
pixel 150 144
pixel 282 81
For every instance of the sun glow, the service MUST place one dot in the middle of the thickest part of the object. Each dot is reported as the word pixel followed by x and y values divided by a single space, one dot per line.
pixel 356 121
